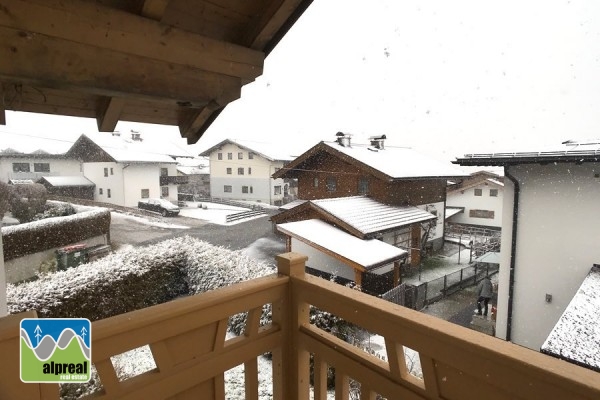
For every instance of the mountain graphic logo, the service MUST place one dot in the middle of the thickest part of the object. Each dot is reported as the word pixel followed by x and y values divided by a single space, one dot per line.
pixel 56 350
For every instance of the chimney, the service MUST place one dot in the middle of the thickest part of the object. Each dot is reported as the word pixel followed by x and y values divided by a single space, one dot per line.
pixel 136 136
pixel 343 139
pixel 378 141
pixel 116 133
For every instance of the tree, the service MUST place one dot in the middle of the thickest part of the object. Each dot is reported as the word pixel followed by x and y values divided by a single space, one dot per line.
pixel 27 200
pixel 428 230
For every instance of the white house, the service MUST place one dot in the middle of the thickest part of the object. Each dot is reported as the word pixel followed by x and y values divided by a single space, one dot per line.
pixel 550 238
pixel 478 200
pixel 125 171
pixel 242 170
pixel 28 157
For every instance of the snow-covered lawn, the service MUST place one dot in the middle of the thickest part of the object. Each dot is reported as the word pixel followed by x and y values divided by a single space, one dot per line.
pixel 215 213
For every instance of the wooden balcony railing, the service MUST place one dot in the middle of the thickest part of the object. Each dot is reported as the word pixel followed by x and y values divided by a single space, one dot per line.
pixel 174 180
pixel 187 338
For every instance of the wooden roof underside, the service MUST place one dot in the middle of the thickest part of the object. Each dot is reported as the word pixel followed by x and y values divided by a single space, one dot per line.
pixel 173 62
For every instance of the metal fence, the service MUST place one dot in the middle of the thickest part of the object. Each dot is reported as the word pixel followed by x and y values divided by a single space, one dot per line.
pixel 396 295
pixel 418 296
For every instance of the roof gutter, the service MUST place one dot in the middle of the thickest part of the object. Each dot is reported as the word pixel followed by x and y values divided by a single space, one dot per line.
pixel 513 250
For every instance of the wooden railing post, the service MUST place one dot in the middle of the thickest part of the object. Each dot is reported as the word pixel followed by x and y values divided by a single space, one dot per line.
pixel 291 363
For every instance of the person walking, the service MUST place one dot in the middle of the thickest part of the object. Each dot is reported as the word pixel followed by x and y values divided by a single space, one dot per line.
pixel 484 294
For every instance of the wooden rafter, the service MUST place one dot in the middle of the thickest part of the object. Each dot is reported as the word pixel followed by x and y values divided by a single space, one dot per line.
pixel 2 106
pixel 109 112
pixel 193 120
pixel 262 31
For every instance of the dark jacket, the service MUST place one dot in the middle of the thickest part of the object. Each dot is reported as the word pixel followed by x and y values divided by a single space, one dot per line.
pixel 485 288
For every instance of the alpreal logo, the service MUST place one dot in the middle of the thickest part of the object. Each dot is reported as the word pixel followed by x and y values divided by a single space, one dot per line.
pixel 56 350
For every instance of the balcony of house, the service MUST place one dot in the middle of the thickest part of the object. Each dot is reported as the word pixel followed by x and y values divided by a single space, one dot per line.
pixel 188 342
pixel 174 180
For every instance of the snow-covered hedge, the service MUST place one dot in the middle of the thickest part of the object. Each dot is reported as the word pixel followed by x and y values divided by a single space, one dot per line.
pixel 134 279
pixel 21 240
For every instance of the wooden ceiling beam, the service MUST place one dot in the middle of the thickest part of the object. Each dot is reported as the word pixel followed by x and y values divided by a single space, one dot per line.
pixel 192 121
pixel 262 31
pixel 109 113
pixel 91 24
pixel 68 65
pixel 154 9
pixel 2 106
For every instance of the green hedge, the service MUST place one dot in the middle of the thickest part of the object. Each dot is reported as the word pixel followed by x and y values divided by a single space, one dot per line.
pixel 33 237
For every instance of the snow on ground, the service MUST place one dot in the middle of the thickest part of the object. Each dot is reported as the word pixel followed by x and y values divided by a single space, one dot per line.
pixel 449 264
pixel 413 362
pixel 214 213
pixel 146 221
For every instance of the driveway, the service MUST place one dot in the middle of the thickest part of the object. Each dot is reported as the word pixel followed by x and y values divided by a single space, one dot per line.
pixel 255 237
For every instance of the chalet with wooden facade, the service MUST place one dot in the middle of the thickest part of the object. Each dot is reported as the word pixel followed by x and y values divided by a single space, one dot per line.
pixel 395 176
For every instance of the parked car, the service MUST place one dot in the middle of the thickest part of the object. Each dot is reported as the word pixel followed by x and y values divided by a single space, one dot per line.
pixel 161 206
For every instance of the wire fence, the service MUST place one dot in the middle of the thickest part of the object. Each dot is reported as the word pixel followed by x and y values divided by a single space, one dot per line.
pixel 418 296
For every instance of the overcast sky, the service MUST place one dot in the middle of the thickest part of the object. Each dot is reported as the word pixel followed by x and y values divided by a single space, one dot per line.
pixel 444 77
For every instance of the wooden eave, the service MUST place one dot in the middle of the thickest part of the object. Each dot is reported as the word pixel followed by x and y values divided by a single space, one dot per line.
pixel 294 168
pixel 173 62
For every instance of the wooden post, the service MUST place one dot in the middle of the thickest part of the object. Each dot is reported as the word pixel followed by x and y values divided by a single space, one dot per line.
pixel 290 362
pixel 358 277
pixel 397 274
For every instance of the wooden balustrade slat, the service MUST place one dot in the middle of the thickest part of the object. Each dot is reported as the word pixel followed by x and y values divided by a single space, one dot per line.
pixel 219 387
pixel 342 385
pixel 221 334
pixel 320 378
pixel 251 379
pixel 253 322
pixel 108 377
pixel 162 356
pixel 367 392
pixel 430 378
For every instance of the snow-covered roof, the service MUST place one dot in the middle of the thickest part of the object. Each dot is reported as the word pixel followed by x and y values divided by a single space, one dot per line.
pixel 131 151
pixel 270 151
pixel 13 143
pixel 369 216
pixel 292 204
pixel 200 170
pixel 576 335
pixel 369 254
pixel 451 211
pixel 398 162
pixel 496 182
pixel 62 181
pixel 568 151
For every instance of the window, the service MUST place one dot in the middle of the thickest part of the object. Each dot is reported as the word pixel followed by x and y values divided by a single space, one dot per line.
pixel 100 191
pixel 228 171
pixel 41 167
pixel 494 192
pixel 21 167
pixel 244 189
pixel 331 184
pixel 227 189
pixel 240 156
pixel 481 214
pixel 111 171
pixel 105 171
pixel 363 186
pixel 164 172
pixel 145 193
pixel 277 189
pixel 316 182
pixel 219 156
pixel 251 190
pixel 230 156
pixel 240 171
pixel 164 191
pixel 250 156
pixel 249 171
pixel 108 193
pixel 478 192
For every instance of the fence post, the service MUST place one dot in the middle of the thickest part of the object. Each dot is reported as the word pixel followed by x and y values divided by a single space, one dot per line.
pixel 475 274
pixel 461 276
pixel 290 363
pixel 487 270
pixel 445 286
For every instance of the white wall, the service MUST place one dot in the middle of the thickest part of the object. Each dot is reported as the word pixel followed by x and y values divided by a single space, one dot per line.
pixel 322 261
pixel 469 201
pixel 95 173
pixel 557 244
pixel 263 187
pixel 58 167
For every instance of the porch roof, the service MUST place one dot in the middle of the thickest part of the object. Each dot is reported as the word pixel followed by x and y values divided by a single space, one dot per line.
pixel 171 62
pixel 68 181
pixel 364 254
